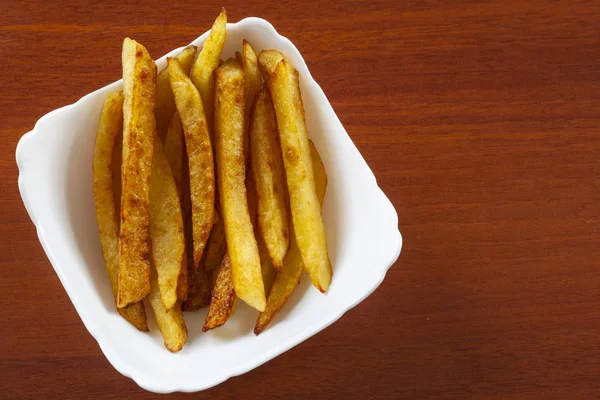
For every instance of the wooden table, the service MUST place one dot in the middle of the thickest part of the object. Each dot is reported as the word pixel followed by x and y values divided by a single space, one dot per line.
pixel 481 121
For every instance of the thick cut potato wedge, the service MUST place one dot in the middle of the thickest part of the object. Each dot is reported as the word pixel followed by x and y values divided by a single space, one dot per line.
pixel 289 275
pixel 170 322
pixel 229 134
pixel 202 73
pixel 269 175
pixel 165 103
pixel 109 129
pixel 222 304
pixel 177 158
pixel 166 227
pixel 304 203
pixel 200 156
pixel 139 129
pixel 268 60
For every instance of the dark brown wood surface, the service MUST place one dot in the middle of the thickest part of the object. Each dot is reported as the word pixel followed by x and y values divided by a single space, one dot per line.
pixel 481 121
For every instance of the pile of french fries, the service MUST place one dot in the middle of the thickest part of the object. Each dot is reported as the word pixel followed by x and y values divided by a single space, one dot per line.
pixel 207 187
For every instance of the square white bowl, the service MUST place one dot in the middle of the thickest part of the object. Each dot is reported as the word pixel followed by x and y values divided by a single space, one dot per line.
pixel 55 181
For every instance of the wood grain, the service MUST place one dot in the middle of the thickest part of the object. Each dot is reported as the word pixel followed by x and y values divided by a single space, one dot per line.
pixel 480 120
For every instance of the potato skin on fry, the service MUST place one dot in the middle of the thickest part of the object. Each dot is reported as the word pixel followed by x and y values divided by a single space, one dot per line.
pixel 139 128
pixel 202 73
pixel 229 133
pixel 166 227
pixel 304 204
pixel 165 103
pixel 109 132
pixel 200 156
pixel 269 176
pixel 289 275
pixel 223 299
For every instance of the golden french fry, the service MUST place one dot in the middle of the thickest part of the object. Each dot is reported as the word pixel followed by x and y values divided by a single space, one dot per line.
pixel 266 266
pixel 177 158
pixel 229 134
pixel 165 103
pixel 269 176
pixel 200 156
pixel 251 74
pixel 306 212
pixel 268 60
pixel 166 227
pixel 207 62
pixel 139 89
pixel 109 130
pixel 170 322
pixel 253 82
pixel 216 246
pixel 289 275
pixel 223 299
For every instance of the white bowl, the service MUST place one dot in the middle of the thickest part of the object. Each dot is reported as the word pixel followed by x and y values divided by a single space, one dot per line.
pixel 55 180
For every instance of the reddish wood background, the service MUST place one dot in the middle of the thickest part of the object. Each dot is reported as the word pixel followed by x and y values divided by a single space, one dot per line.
pixel 481 122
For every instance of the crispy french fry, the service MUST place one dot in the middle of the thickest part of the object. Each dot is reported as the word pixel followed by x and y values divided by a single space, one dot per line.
pixel 306 212
pixel 216 246
pixel 253 80
pixel 170 322
pixel 289 275
pixel 166 227
pixel 109 129
pixel 175 151
pixel 223 299
pixel 139 128
pixel 207 62
pixel 269 176
pixel 165 103
pixel 251 74
pixel 200 156
pixel 268 60
pixel 229 133
pixel 266 266
pixel 177 158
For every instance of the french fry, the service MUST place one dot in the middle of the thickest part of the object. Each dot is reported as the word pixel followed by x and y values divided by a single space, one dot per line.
pixel 222 304
pixel 269 176
pixel 200 156
pixel 266 266
pixel 207 63
pixel 252 75
pixel 229 133
pixel 177 158
pixel 139 128
pixel 166 227
pixel 289 275
pixel 109 129
pixel 306 212
pixel 268 60
pixel 193 287
pixel 216 246
pixel 170 322
pixel 253 79
pixel 165 103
